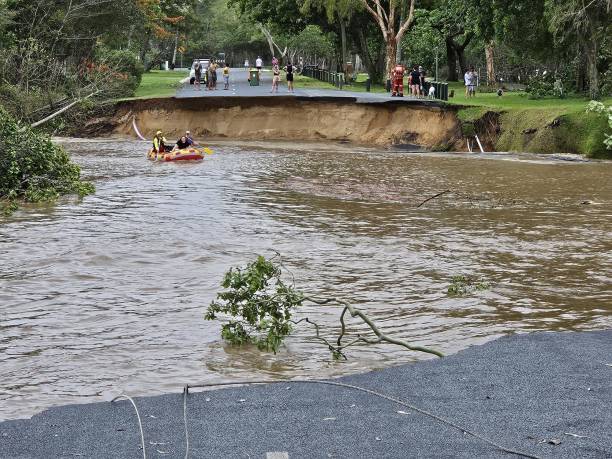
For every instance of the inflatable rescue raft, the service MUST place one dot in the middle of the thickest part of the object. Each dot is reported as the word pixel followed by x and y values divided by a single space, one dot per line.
pixel 186 154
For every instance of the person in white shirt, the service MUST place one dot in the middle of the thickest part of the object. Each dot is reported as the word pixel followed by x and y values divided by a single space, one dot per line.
pixel 259 65
pixel 470 79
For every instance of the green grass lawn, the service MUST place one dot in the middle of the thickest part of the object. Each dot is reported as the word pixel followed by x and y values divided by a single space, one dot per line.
pixel 517 100
pixel 538 125
pixel 304 82
pixel 159 83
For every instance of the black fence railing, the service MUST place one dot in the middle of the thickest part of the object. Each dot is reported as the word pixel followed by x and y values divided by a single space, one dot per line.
pixel 337 79
pixel 441 90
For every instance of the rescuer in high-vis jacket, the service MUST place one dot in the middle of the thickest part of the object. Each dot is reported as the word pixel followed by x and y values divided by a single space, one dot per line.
pixel 159 143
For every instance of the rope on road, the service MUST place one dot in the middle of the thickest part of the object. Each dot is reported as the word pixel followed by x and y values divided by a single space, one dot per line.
pixel 357 388
pixel 123 396
pixel 185 390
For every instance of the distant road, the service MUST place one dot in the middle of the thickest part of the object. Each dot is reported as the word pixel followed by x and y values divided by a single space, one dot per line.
pixel 240 87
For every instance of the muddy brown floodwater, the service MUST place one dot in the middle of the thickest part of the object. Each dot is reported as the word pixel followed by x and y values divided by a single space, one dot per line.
pixel 108 295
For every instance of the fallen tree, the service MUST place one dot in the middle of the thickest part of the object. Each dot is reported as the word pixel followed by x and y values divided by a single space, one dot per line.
pixel 33 168
pixel 257 307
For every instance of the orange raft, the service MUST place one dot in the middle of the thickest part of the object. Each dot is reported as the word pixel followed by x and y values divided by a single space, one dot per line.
pixel 186 154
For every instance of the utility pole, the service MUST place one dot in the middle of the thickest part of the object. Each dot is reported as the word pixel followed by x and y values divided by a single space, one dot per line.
pixel 437 64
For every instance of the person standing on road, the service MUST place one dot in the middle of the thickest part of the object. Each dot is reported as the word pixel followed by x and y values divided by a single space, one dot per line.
pixel 290 69
pixel 259 65
pixel 415 81
pixel 214 75
pixel 209 76
pixel 198 76
pixel 226 74
pixel 423 87
pixel 275 79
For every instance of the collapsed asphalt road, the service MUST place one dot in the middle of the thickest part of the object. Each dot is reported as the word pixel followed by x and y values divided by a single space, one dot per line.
pixel 544 394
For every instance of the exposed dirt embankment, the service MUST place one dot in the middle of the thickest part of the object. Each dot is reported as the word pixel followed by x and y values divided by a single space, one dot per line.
pixel 428 125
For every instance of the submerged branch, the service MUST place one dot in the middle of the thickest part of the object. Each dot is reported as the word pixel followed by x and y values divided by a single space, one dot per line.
pixel 354 312
pixel 433 197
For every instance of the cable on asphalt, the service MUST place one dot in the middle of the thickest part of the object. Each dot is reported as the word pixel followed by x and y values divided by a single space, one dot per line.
pixel 185 390
pixel 348 386
pixel 144 451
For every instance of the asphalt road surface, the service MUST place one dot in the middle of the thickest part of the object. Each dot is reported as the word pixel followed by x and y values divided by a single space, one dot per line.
pixel 545 394
pixel 240 87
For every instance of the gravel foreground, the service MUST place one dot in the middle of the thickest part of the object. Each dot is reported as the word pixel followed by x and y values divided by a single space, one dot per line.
pixel 544 394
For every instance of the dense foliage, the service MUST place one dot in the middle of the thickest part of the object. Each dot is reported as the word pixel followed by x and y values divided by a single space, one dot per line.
pixel 598 107
pixel 32 168
pixel 258 304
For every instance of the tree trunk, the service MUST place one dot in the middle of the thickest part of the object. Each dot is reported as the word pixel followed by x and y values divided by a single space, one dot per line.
pixel 391 54
pixel 343 39
pixel 489 55
pixel 144 48
pixel 461 57
pixel 398 55
pixel 370 65
pixel 175 49
pixel 451 60
pixel 580 65
pixel 591 58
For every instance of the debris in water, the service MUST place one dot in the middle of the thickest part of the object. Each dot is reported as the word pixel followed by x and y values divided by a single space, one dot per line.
pixel 575 435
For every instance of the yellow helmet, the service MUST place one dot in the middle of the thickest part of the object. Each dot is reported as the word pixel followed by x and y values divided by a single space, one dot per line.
pixel 158 132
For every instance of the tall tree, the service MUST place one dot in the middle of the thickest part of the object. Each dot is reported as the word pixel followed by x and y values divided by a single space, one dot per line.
pixel 588 24
pixel 387 16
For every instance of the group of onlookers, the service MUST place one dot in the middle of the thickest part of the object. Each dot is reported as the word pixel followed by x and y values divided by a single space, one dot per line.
pixel 211 75
pixel 420 87
pixel 276 72
pixel 417 82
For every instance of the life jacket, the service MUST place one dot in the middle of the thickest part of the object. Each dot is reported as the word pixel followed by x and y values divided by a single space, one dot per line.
pixel 158 144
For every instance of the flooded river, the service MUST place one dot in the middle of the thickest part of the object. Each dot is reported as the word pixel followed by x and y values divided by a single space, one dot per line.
pixel 108 295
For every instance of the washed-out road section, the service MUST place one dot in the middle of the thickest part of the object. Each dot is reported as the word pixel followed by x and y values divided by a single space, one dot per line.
pixel 545 394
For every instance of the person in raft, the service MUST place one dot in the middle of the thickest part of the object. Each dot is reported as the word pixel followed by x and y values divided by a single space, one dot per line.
pixel 159 143
pixel 182 143
pixel 190 139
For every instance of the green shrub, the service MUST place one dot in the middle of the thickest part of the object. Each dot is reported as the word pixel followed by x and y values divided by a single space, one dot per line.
pixel 120 69
pixel 32 168
pixel 544 85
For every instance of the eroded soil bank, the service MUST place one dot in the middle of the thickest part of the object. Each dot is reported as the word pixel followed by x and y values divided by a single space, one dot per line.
pixel 424 124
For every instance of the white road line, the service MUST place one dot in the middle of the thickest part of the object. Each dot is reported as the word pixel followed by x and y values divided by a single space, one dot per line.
pixel 277 455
